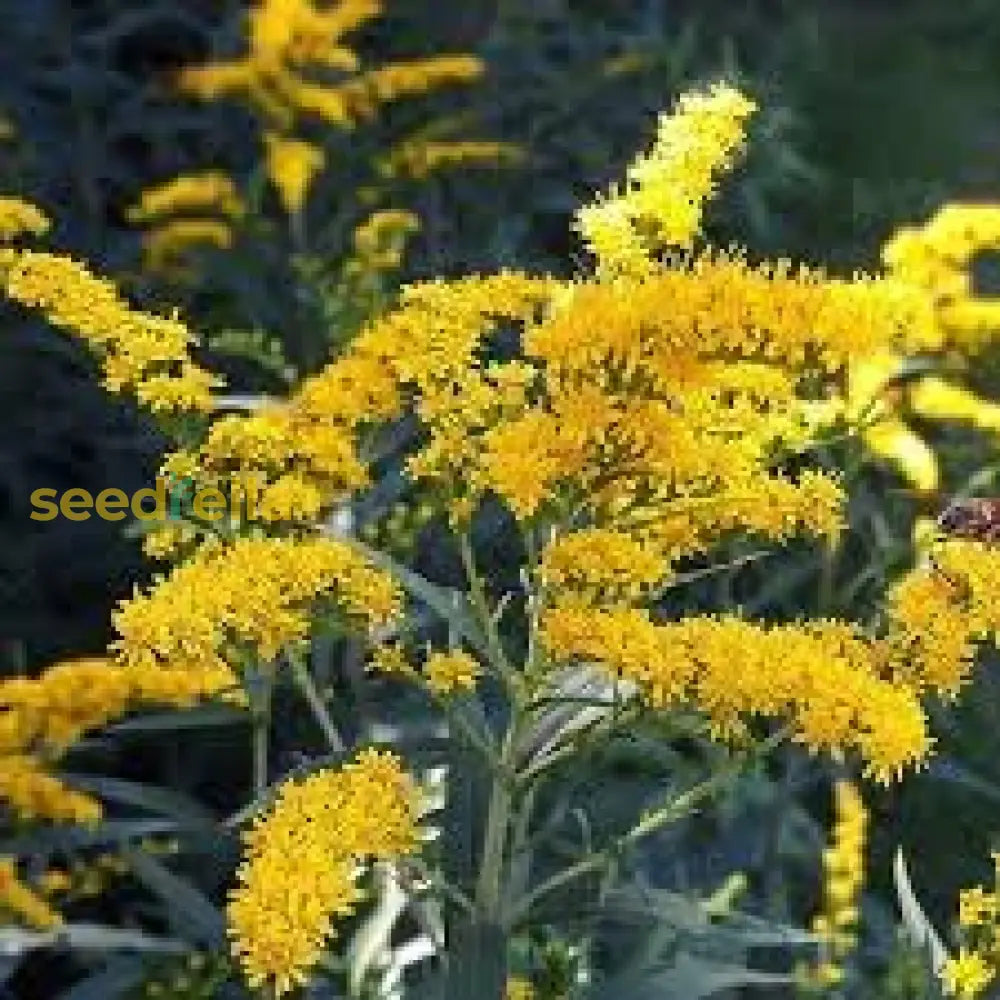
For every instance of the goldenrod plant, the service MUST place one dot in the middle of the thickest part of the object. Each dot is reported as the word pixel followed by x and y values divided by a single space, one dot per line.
pixel 659 403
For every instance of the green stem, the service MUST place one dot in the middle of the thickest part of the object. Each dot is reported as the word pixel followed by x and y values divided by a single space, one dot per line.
pixel 489 887
pixel 670 812
pixel 261 715
pixel 307 687
pixel 477 593
pixel 439 884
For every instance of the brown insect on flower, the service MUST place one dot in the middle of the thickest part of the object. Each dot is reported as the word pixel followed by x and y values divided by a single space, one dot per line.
pixel 976 518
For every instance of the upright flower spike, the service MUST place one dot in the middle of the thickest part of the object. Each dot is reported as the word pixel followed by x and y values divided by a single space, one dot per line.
pixel 843 879
pixel 666 188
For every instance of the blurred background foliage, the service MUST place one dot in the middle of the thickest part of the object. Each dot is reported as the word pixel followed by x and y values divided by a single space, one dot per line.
pixel 874 112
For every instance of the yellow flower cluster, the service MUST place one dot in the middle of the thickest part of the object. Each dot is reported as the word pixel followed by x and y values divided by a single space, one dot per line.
pixel 940 611
pixel 300 463
pixel 41 718
pixel 379 242
pixel 661 204
pixel 519 988
pixel 139 351
pixel 191 210
pixel 256 591
pixel 644 418
pixel 969 974
pixel 417 159
pixel 937 259
pixel 843 879
pixel 830 685
pixel 298 65
pixel 448 673
pixel 303 859
pixel 18 217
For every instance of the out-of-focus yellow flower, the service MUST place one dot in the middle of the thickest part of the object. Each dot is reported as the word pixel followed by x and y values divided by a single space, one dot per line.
pixel 207 191
pixel 938 256
pixel 935 399
pixel 894 441
pixel 167 245
pixel 417 159
pixel 519 988
pixel 18 217
pixel 292 165
pixel 289 40
pixel 22 902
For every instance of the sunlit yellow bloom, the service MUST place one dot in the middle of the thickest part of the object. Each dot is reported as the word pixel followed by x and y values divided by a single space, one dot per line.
pixel 291 497
pixel 829 684
pixel 601 563
pixel 302 862
pixel 941 610
pixel 667 187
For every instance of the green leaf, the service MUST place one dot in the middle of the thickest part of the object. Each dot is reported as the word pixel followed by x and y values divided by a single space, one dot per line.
pixel 450 605
pixel 943 768
pixel 111 833
pixel 119 976
pixel 201 716
pixel 691 978
pixel 148 797
pixel 919 929
pixel 189 912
